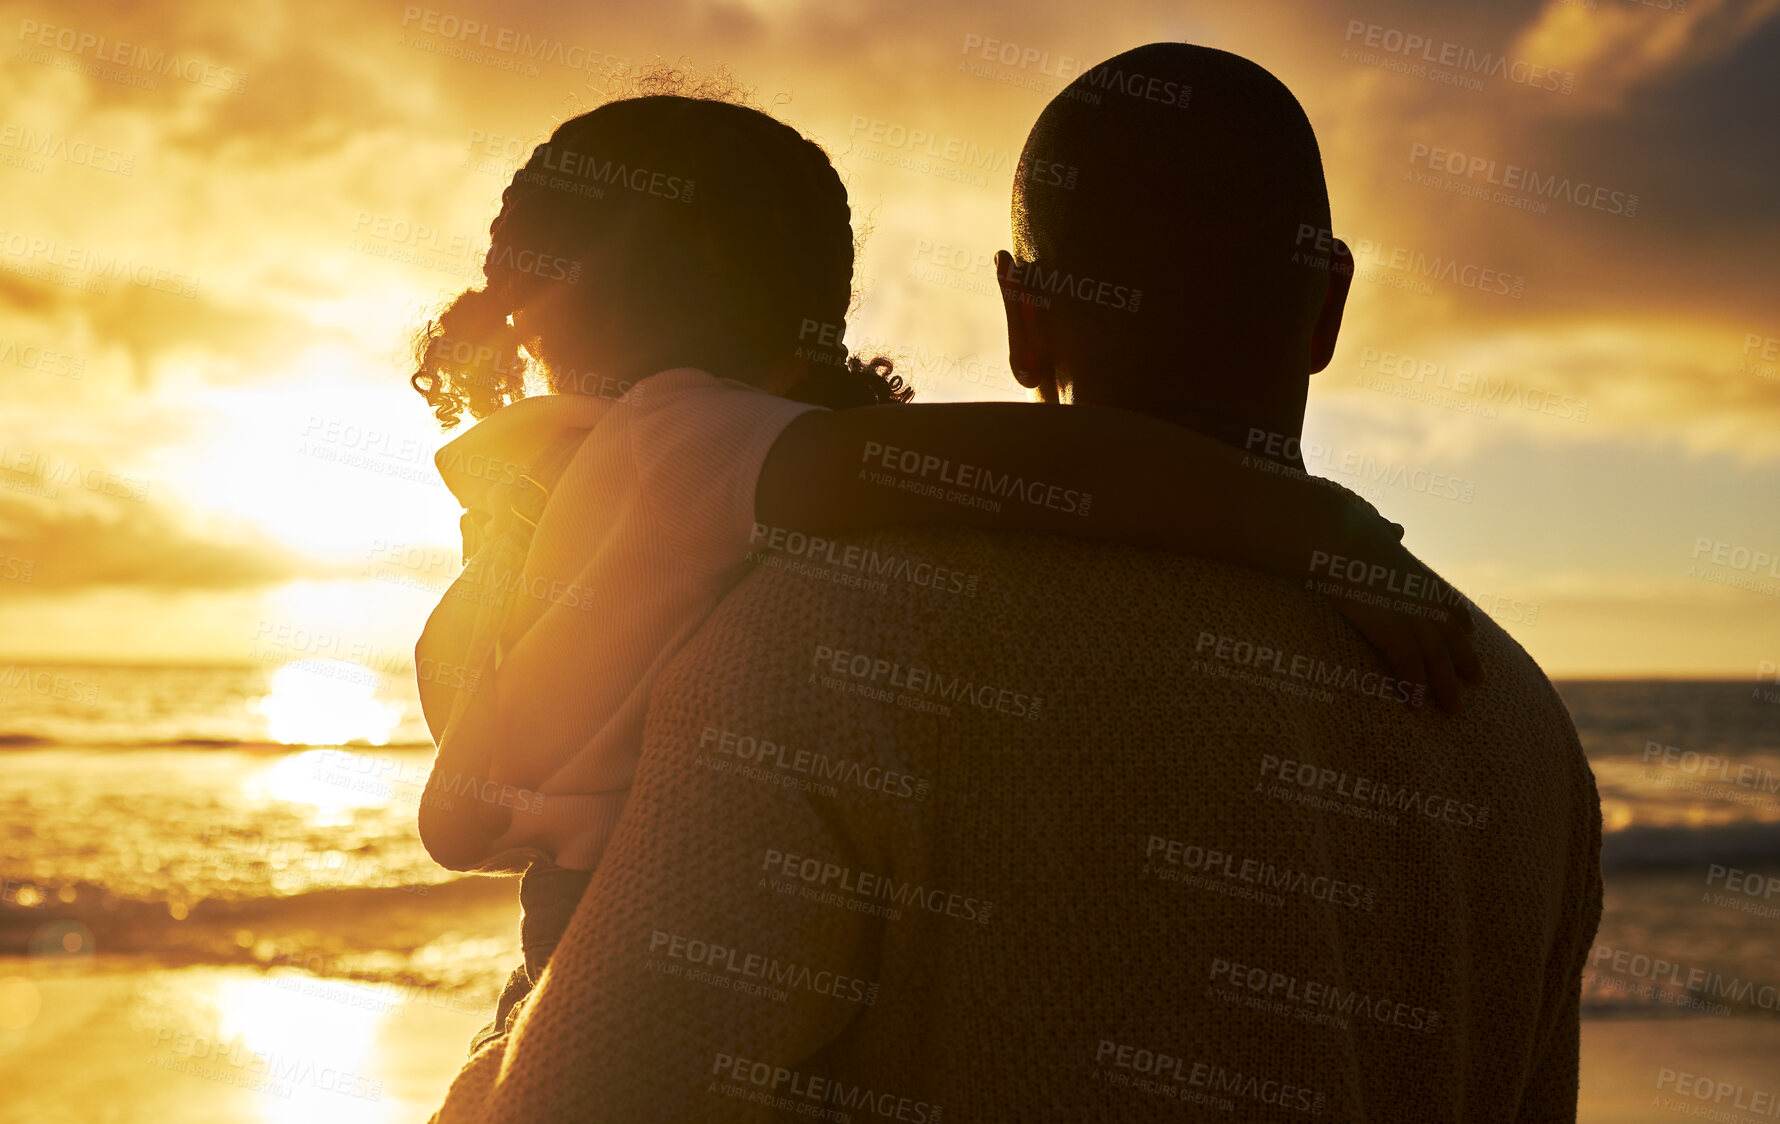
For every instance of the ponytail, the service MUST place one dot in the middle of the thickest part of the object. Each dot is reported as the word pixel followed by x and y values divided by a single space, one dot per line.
pixel 856 383
pixel 468 358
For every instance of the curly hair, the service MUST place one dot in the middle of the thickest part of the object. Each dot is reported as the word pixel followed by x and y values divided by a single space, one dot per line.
pixel 659 231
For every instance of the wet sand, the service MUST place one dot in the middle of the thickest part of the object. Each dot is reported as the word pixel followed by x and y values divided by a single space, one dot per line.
pixel 112 1040
pixel 209 1045
pixel 1623 1059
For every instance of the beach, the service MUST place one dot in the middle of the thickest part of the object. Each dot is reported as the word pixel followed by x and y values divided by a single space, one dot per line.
pixel 127 1043
pixel 207 913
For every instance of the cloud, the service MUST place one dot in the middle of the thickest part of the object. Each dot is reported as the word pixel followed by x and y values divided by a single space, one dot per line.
pixel 94 530
pixel 1616 47
pixel 351 111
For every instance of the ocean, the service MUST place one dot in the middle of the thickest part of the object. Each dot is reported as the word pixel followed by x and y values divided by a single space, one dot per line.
pixel 258 823
pixel 253 815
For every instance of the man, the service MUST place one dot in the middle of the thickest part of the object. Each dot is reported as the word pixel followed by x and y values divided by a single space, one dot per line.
pixel 1075 831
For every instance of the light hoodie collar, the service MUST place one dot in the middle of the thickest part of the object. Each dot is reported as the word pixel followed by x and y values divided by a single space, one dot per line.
pixel 496 450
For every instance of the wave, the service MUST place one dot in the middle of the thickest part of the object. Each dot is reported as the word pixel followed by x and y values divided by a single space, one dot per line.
pixel 41 741
pixel 396 918
pixel 1745 845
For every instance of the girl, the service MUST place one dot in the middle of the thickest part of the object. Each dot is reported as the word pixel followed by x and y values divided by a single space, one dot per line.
pixel 680 269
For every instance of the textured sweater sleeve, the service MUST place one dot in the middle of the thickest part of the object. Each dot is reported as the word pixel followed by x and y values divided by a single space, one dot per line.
pixel 1553 1084
pixel 669 992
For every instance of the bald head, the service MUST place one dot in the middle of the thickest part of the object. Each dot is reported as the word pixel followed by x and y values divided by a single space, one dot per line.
pixel 1187 174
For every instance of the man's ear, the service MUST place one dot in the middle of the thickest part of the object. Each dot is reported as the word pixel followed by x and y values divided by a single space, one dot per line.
pixel 1029 351
pixel 1328 318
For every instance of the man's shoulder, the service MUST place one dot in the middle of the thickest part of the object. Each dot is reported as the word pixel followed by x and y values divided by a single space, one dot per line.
pixel 910 564
pixel 968 586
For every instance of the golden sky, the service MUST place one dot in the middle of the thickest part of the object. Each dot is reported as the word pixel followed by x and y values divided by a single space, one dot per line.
pixel 223 217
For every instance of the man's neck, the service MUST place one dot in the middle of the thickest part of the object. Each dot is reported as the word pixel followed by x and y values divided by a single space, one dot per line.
pixel 1269 431
pixel 1272 440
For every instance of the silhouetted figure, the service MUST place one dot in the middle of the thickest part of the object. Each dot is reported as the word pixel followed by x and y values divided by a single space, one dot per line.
pixel 1114 835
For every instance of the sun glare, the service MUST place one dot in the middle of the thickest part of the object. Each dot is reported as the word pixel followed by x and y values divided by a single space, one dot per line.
pixel 328 458
pixel 327 702
pixel 318 1040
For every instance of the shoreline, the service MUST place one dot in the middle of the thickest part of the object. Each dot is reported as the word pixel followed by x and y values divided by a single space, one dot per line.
pixel 217 1044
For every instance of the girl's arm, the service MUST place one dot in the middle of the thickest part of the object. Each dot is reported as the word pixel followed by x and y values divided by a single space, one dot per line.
pixel 1114 474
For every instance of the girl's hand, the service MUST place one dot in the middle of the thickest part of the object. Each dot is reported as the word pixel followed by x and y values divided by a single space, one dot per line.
pixel 1421 624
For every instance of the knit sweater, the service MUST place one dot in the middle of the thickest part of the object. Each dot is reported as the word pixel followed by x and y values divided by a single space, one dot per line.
pixel 1069 831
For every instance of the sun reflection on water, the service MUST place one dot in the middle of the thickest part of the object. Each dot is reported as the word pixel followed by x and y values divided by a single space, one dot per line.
pixel 319 1039
pixel 327 702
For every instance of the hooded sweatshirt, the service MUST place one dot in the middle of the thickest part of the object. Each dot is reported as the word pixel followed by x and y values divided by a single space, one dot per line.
pixel 536 667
